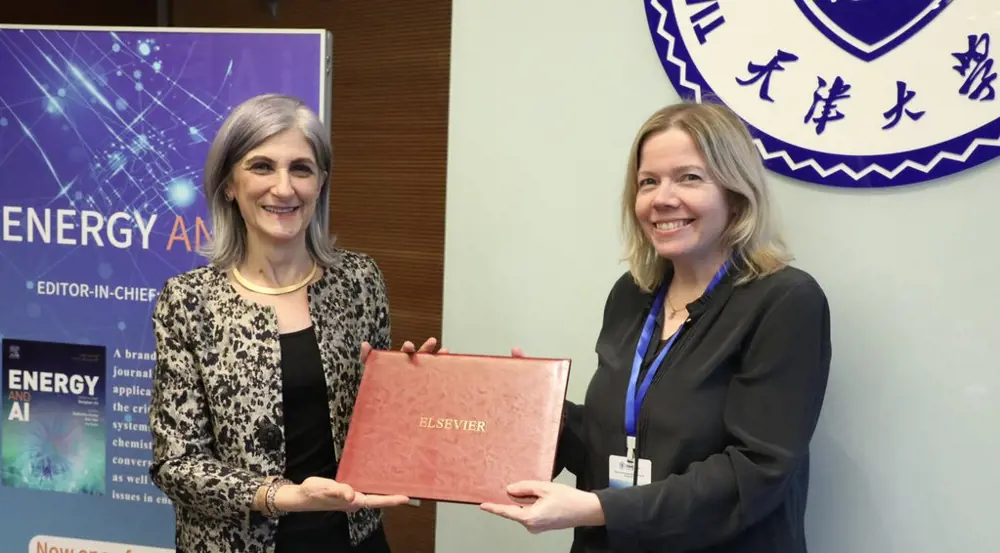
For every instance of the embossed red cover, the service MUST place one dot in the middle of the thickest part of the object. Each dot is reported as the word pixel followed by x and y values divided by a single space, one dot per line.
pixel 505 415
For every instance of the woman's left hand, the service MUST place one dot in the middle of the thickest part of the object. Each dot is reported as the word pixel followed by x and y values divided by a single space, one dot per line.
pixel 408 347
pixel 556 507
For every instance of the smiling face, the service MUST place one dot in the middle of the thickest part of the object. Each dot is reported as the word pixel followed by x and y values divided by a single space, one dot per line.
pixel 682 212
pixel 276 186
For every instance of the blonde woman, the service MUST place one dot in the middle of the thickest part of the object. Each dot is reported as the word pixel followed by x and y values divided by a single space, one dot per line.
pixel 712 367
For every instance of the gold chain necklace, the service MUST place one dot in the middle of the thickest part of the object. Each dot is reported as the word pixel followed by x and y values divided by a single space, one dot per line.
pixel 273 291
pixel 673 310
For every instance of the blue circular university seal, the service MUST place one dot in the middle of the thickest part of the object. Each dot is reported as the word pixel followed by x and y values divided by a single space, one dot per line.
pixel 843 93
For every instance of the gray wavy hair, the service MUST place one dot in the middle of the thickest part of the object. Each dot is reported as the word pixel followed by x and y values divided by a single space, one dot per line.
pixel 247 126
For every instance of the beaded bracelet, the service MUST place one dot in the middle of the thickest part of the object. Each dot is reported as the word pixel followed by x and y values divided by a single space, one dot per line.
pixel 272 491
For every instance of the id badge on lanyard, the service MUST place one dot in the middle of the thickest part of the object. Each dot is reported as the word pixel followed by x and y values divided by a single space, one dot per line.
pixel 622 470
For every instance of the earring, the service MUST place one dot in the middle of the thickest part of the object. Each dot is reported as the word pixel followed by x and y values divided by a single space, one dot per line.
pixel 229 196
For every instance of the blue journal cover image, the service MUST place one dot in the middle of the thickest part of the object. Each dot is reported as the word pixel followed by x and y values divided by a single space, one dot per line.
pixel 52 430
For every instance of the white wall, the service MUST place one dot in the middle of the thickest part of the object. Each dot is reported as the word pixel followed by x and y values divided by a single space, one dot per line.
pixel 546 97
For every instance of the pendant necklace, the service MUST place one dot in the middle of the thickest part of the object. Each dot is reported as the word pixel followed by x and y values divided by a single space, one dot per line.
pixel 673 310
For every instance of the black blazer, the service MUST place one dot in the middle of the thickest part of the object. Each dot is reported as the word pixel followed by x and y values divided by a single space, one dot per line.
pixel 726 423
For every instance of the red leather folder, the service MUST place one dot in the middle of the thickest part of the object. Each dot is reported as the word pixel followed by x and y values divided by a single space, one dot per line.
pixel 453 428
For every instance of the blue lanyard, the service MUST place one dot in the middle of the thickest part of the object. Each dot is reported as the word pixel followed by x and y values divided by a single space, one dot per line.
pixel 633 401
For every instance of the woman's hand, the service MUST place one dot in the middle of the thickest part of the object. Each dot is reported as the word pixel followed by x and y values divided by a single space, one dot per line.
pixel 323 494
pixel 408 347
pixel 555 507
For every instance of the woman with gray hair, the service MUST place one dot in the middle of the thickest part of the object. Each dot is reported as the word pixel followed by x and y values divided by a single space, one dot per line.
pixel 259 354
pixel 712 363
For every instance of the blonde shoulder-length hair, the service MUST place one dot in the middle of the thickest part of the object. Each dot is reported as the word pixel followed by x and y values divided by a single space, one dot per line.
pixel 732 161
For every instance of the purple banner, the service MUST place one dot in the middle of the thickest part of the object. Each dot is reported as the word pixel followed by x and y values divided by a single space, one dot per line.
pixel 103 135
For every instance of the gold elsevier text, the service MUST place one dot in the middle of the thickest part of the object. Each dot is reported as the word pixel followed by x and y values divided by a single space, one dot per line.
pixel 452 424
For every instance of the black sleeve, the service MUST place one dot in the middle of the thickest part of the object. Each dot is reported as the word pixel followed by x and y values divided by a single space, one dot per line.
pixel 570 453
pixel 772 409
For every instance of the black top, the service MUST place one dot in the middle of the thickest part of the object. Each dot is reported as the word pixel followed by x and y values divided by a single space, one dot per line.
pixel 309 445
pixel 726 422
pixel 310 451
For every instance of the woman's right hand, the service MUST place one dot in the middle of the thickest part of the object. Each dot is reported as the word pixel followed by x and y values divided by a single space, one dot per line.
pixel 323 494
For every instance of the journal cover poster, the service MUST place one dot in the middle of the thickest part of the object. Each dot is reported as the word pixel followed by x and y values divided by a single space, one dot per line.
pixel 103 138
pixel 53 431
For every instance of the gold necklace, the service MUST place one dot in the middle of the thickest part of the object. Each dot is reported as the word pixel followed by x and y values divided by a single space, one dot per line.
pixel 273 291
pixel 673 311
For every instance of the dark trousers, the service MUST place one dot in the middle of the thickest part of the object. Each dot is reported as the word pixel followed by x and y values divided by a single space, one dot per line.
pixel 329 539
